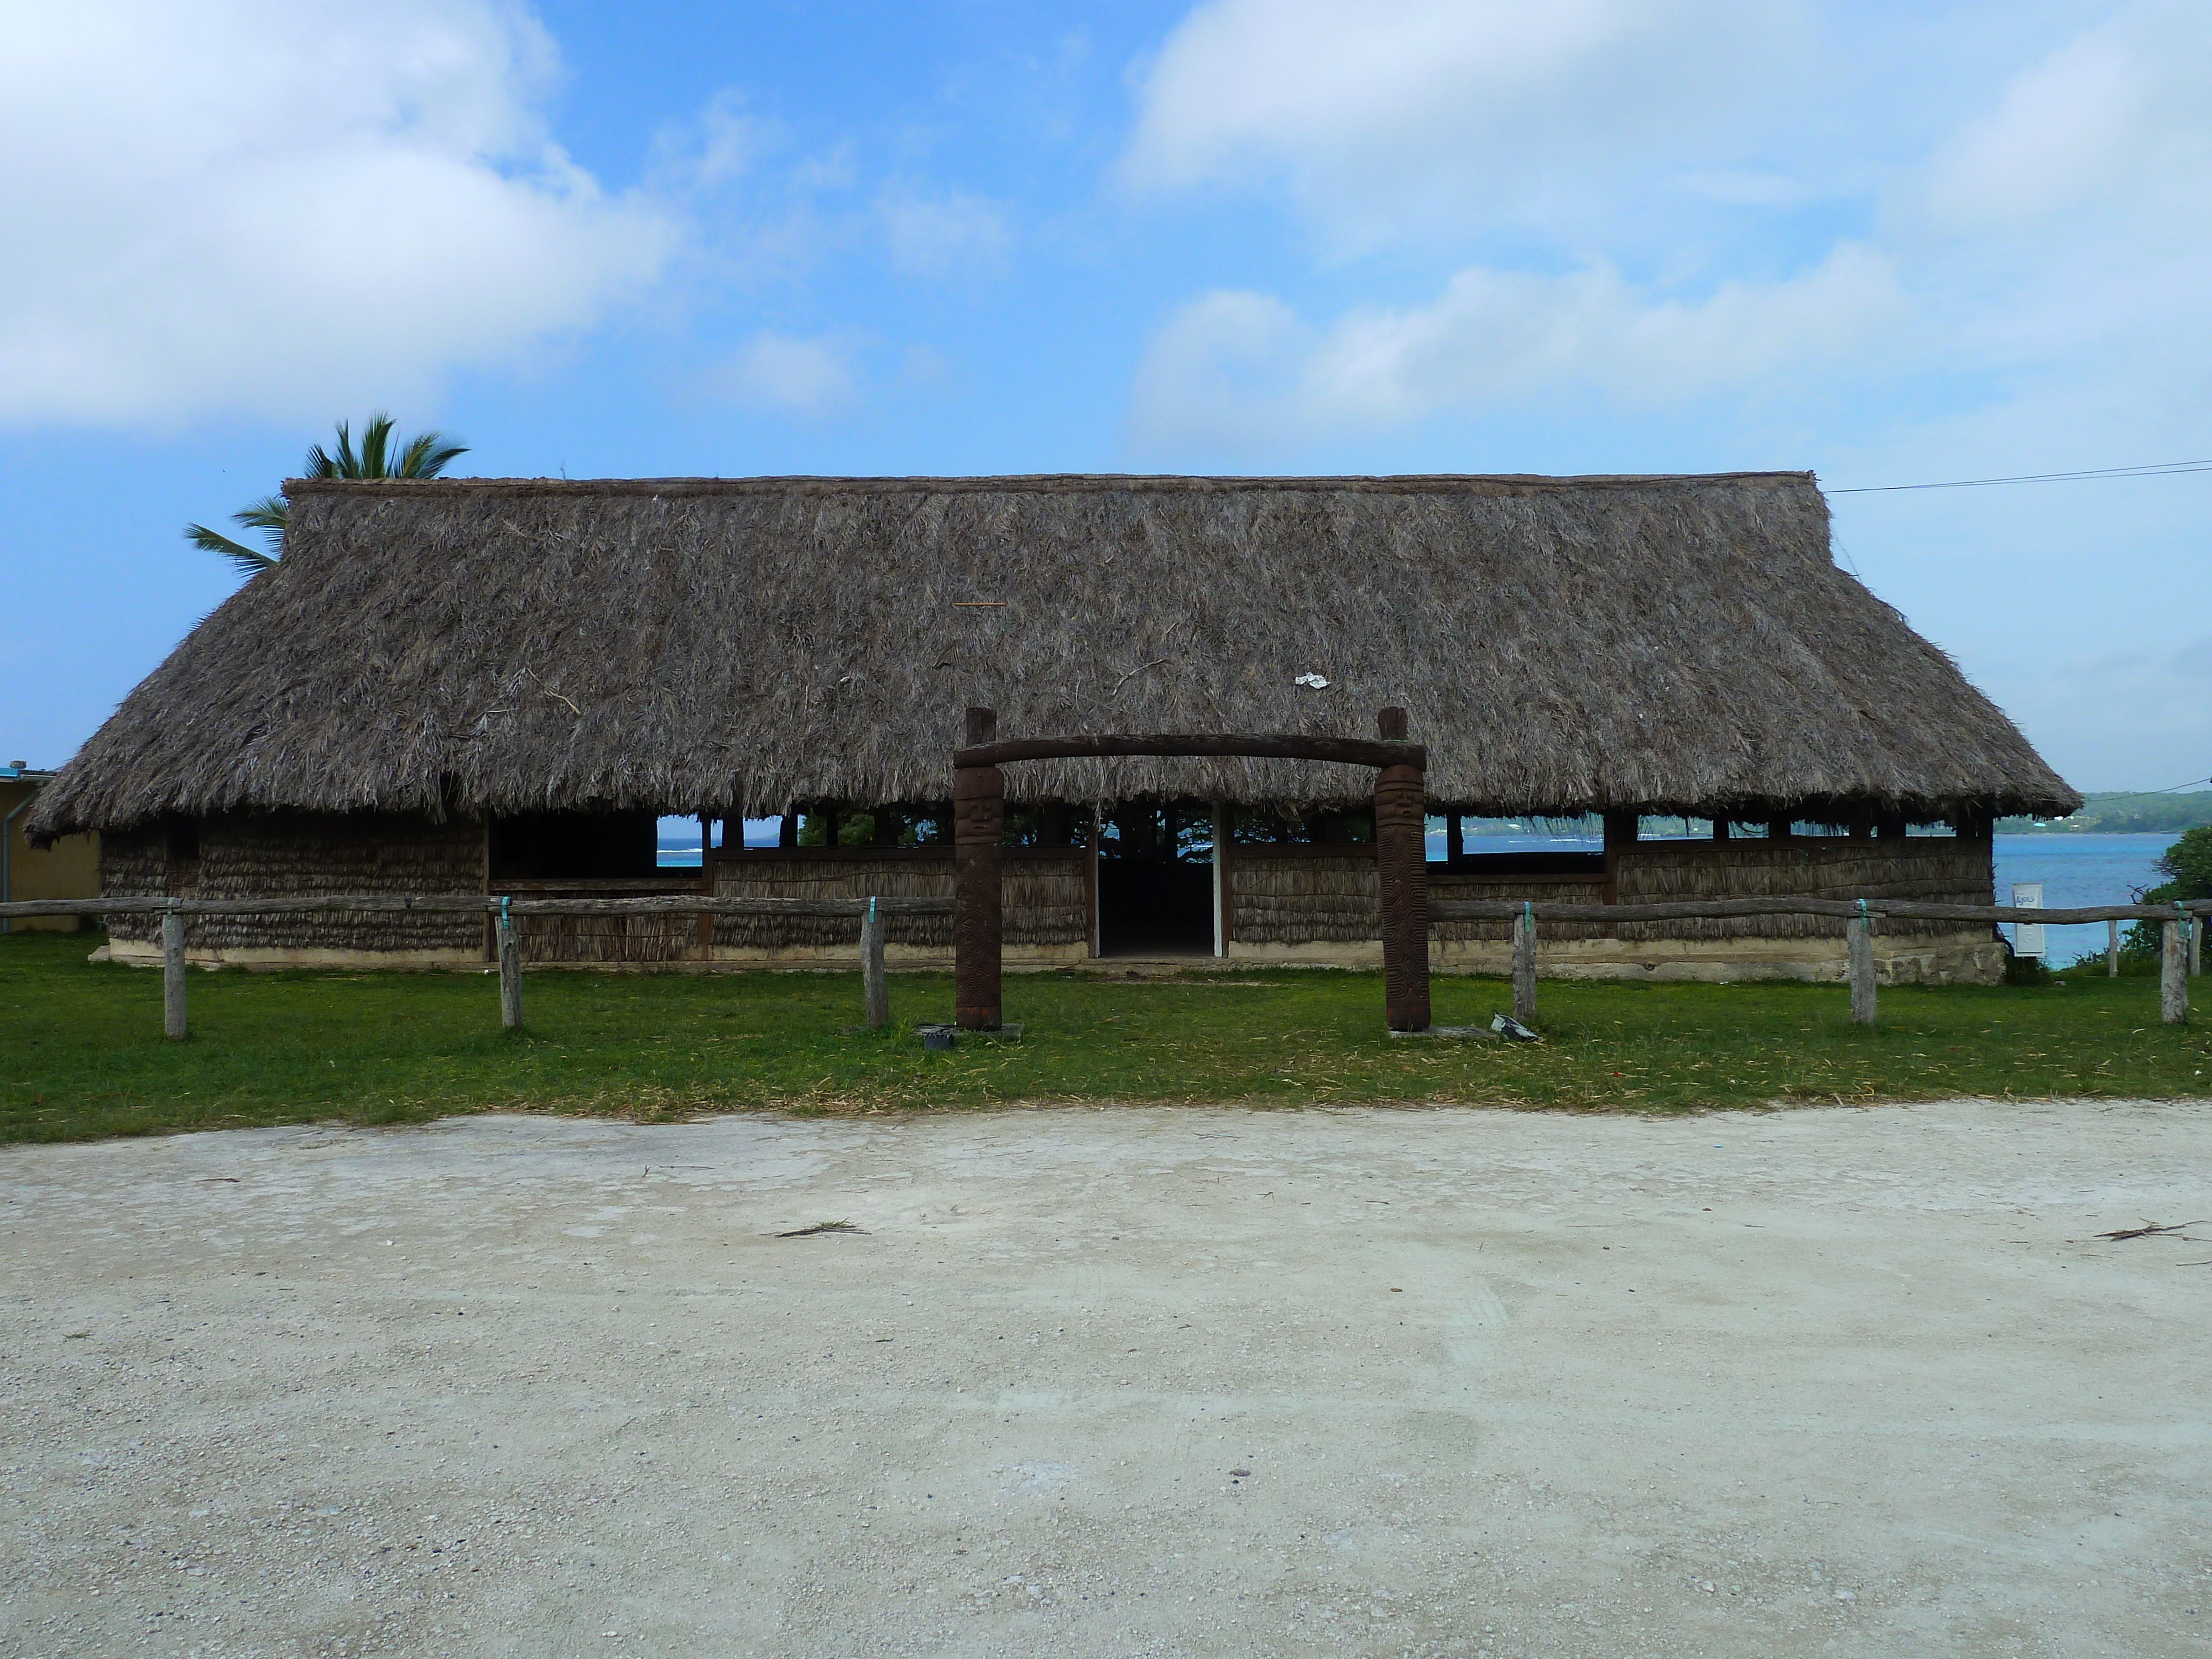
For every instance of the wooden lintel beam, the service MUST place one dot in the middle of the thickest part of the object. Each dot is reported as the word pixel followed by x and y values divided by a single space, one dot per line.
pixel 1352 751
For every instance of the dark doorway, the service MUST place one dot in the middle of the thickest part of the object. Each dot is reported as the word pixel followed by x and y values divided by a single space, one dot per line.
pixel 1156 880
pixel 574 846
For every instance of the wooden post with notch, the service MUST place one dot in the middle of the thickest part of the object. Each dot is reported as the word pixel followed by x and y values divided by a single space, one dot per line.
pixel 2173 974
pixel 510 972
pixel 1861 929
pixel 876 989
pixel 172 977
pixel 1524 965
pixel 979 818
pixel 1402 857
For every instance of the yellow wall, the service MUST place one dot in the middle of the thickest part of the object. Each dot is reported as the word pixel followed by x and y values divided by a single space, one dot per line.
pixel 70 869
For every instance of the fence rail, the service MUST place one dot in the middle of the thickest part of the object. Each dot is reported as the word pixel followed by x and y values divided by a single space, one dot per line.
pixel 687 904
pixel 679 904
pixel 1843 910
pixel 2179 956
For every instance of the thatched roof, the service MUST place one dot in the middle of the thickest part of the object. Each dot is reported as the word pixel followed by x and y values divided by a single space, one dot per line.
pixel 1562 645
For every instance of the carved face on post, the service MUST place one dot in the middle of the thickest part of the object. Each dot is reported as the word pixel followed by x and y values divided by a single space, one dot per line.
pixel 979 817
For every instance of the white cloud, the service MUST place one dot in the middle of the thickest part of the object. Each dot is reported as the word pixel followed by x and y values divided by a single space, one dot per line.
pixel 1241 366
pixel 947 236
pixel 803 376
pixel 264 206
pixel 1383 115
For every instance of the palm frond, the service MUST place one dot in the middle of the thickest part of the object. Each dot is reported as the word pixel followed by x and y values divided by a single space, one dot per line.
pixel 379 457
pixel 250 562
pixel 269 515
pixel 425 457
pixel 376 447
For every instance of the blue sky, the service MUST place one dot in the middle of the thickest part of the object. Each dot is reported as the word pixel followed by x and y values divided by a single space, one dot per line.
pixel 1894 244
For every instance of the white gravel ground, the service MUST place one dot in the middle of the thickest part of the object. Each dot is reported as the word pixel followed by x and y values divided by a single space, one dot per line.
pixel 1116 1383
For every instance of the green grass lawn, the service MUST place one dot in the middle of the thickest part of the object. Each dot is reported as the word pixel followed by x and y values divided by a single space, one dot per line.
pixel 82 1053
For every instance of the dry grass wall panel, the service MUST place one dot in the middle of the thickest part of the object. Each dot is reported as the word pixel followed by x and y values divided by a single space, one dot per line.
pixel 261 855
pixel 1935 868
pixel 1042 893
pixel 131 865
pixel 1324 899
pixel 1446 884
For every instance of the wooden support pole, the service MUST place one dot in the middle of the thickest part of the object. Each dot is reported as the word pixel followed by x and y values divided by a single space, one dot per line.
pixel 1779 829
pixel 1524 966
pixel 1619 836
pixel 172 977
pixel 1861 929
pixel 875 987
pixel 707 879
pixel 510 972
pixel 1225 908
pixel 2172 976
pixel 1401 859
pixel 1090 836
pixel 1455 837
pixel 2196 946
pixel 979 821
pixel 2112 949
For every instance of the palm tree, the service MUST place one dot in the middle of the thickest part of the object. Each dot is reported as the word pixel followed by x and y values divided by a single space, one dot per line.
pixel 423 458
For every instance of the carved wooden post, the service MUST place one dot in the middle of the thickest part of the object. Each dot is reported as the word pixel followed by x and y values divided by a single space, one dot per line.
pixel 979 814
pixel 1401 857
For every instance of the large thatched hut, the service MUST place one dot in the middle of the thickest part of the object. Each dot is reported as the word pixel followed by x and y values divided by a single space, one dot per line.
pixel 496 685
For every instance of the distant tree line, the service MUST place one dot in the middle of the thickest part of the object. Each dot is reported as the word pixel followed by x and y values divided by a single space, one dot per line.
pixel 2118 812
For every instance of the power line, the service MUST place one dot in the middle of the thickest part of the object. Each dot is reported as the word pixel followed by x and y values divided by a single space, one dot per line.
pixel 2156 470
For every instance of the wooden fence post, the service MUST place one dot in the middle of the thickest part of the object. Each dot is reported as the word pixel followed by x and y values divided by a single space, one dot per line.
pixel 876 990
pixel 2173 977
pixel 510 972
pixel 1861 929
pixel 172 977
pixel 2112 949
pixel 2196 945
pixel 1401 857
pixel 979 821
pixel 1524 965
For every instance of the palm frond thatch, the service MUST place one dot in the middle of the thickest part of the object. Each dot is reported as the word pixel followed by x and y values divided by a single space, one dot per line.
pixel 1563 645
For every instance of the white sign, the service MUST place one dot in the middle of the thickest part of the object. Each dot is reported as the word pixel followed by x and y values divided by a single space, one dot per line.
pixel 2027 936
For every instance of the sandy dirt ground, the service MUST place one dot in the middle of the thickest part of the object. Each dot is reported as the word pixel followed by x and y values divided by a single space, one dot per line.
pixel 1116 1383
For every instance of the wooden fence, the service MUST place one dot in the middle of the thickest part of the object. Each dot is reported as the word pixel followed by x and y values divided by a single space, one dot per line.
pixel 2181 954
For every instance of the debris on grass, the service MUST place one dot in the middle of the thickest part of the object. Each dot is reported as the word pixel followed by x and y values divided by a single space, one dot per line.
pixel 822 1227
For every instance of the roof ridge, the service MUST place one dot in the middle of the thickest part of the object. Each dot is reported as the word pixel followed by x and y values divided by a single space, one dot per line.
pixel 1049 483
